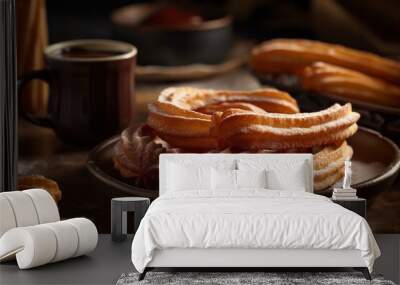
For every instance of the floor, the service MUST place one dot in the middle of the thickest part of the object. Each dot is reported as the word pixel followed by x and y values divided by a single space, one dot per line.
pixel 111 259
pixel 103 266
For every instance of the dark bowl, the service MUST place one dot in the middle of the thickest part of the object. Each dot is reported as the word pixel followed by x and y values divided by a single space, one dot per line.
pixel 208 42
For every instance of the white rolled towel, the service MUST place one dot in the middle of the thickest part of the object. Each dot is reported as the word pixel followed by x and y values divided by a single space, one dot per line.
pixel 7 218
pixel 23 208
pixel 26 208
pixel 45 206
pixel 40 244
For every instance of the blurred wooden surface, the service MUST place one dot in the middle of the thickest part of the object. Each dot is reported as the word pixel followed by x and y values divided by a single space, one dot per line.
pixel 41 152
pixel 32 39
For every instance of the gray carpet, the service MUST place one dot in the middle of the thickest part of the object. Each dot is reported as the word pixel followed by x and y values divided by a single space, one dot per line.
pixel 242 278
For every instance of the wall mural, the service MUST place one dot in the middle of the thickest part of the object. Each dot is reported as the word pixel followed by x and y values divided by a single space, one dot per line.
pixel 95 114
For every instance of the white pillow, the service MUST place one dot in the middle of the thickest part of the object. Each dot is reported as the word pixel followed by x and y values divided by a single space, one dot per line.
pixel 295 180
pixel 183 177
pixel 251 178
pixel 223 179
pixel 282 174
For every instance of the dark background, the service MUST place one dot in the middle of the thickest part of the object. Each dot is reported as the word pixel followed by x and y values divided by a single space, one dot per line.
pixel 256 19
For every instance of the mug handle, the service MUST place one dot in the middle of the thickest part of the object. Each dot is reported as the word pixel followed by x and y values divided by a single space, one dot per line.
pixel 44 75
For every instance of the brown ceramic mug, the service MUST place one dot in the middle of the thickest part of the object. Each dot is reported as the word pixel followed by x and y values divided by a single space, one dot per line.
pixel 91 89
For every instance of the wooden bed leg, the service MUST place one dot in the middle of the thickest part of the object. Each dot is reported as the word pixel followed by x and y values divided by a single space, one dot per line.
pixel 364 271
pixel 143 274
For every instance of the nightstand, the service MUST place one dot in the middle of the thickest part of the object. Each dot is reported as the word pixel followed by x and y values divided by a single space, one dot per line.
pixel 119 208
pixel 358 205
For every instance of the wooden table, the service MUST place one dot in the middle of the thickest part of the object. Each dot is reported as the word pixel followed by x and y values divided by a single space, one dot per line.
pixel 41 152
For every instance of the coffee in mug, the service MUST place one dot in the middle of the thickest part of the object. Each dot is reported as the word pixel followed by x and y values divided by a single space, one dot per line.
pixel 91 89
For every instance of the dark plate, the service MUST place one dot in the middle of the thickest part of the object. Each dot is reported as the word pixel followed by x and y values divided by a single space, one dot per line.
pixel 100 164
pixel 376 162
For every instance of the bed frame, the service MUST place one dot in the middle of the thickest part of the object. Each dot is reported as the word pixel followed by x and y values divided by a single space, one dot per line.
pixel 243 259
pixel 236 258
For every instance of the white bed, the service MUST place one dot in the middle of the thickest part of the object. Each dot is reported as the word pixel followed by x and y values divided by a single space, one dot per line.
pixel 250 227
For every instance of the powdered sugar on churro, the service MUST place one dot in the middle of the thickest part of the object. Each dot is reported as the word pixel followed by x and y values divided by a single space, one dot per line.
pixel 295 131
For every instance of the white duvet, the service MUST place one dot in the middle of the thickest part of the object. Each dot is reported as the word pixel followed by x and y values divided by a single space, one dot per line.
pixel 250 219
